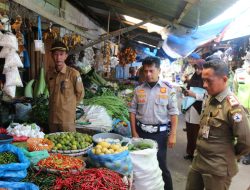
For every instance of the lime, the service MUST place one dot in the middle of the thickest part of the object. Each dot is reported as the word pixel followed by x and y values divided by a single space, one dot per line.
pixel 74 147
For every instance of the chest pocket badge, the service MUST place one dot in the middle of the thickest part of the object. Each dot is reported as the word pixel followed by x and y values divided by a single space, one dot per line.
pixel 142 98
pixel 214 123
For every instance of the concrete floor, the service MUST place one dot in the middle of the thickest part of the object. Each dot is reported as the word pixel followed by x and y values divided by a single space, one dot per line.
pixel 179 167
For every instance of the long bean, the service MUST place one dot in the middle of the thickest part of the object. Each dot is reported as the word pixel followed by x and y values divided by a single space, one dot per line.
pixel 8 157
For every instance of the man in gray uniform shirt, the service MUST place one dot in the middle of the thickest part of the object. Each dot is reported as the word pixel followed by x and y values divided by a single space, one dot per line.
pixel 153 102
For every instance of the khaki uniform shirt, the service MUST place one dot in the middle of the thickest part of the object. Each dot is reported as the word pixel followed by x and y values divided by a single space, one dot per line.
pixel 224 136
pixel 66 91
pixel 153 105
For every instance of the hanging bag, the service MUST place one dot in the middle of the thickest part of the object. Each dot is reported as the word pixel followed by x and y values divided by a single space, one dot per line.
pixel 39 45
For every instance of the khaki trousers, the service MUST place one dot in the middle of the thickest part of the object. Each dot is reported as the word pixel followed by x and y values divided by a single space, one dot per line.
pixel 199 181
pixel 53 128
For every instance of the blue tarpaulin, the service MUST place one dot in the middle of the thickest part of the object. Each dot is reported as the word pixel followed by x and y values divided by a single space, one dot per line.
pixel 182 45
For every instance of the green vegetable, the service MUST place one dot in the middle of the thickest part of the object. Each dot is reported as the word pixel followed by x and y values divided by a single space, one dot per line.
pixel 40 111
pixel 115 106
pixel 140 146
pixel 40 84
pixel 8 157
pixel 28 91
pixel 45 181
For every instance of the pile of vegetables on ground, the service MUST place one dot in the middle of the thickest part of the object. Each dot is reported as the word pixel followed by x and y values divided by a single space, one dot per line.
pixel 8 157
pixel 70 140
pixel 94 179
pixel 44 181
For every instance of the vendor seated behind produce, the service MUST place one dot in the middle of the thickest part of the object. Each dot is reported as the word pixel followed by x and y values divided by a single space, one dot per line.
pixel 65 91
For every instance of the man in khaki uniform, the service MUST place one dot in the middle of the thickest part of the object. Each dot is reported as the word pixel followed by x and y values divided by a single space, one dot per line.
pixel 65 89
pixel 224 135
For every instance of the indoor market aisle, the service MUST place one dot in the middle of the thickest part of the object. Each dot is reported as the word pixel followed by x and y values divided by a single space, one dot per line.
pixel 179 167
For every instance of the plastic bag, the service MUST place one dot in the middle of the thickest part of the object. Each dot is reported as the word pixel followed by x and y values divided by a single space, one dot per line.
pixel 18 185
pixel 9 40
pixel 98 117
pixel 119 162
pixel 14 171
pixel 6 51
pixel 36 156
pixel 13 60
pixel 121 127
pixel 22 111
pixel 10 90
pixel 146 176
pixel 13 77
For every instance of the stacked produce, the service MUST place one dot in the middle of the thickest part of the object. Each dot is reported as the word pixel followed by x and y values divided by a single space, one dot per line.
pixel 127 56
pixel 43 180
pixel 115 106
pixel 8 157
pixel 26 130
pixel 61 162
pixel 70 140
pixel 107 148
pixel 94 179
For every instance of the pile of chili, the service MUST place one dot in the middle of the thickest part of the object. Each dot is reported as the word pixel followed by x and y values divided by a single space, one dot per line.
pixel 8 157
pixel 91 179
pixel 61 162
pixel 44 181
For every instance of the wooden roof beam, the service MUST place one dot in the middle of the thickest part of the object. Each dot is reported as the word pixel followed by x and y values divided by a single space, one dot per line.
pixel 133 9
pixel 32 5
pixel 110 35
pixel 189 5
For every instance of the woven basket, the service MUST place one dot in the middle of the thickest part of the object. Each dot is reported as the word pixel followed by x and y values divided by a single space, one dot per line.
pixel 74 153
pixel 49 170
pixel 36 144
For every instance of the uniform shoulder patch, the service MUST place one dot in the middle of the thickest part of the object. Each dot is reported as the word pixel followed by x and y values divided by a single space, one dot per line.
pixel 237 117
pixel 79 79
pixel 232 100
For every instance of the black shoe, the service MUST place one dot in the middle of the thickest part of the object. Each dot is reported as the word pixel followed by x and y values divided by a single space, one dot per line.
pixel 188 157
pixel 184 129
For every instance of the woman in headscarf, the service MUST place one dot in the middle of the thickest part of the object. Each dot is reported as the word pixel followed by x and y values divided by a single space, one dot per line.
pixel 192 115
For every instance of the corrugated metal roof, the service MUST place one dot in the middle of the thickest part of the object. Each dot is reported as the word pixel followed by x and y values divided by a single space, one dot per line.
pixel 179 12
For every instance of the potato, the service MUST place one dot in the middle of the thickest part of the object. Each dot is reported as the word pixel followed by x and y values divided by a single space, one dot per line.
pixel 98 151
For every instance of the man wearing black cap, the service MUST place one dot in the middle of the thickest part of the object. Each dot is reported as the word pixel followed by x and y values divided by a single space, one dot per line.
pixel 65 89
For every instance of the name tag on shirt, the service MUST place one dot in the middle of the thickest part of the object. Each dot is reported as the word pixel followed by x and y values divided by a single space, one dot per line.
pixel 163 96
pixel 205 131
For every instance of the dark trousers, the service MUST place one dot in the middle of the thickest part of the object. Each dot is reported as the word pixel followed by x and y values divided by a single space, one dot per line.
pixel 192 134
pixel 161 138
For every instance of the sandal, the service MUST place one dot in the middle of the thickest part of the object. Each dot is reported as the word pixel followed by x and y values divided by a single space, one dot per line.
pixel 246 162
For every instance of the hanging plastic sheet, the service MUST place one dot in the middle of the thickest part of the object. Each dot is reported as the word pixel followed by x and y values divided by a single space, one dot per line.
pixel 182 45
